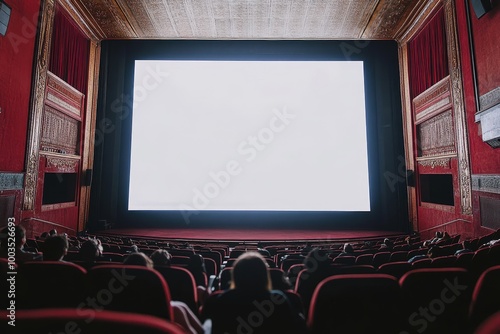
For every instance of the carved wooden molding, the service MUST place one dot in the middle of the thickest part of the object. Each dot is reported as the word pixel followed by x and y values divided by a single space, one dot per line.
pixel 37 102
pixel 89 131
pixel 63 165
pixel 60 133
pixel 408 131
pixel 437 162
pixel 411 29
pixel 433 101
pixel 436 135
pixel 63 97
pixel 82 19
pixel 464 173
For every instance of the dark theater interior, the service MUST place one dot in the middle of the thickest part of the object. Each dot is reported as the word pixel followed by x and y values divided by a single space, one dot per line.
pixel 250 166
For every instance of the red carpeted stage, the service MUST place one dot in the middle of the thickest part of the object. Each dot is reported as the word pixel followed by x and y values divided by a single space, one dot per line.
pixel 226 234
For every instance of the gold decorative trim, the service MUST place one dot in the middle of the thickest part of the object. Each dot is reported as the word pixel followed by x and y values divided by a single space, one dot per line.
pixel 62 165
pixel 433 163
pixel 63 97
pixel 464 174
pixel 417 23
pixel 83 19
pixel 37 102
pixel 30 182
pixel 440 88
pixel 433 101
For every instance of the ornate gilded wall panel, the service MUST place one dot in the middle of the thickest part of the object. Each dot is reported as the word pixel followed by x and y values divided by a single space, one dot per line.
pixel 60 133
pixel 436 136
pixel 37 104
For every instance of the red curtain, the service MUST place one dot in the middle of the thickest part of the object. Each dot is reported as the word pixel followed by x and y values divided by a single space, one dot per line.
pixel 427 55
pixel 69 56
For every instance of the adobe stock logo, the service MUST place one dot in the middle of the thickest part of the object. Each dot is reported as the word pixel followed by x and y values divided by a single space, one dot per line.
pixel 249 150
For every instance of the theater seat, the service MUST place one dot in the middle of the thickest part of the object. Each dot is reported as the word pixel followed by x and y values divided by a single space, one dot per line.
pixel 359 303
pixel 396 269
pixel 87 322
pixel 46 284
pixel 279 279
pixel 486 296
pixel 129 289
pixel 490 326
pixel 181 284
pixel 380 258
pixel 436 300
pixel 364 259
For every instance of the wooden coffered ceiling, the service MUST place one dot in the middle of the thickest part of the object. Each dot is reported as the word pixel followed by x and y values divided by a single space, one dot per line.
pixel 246 19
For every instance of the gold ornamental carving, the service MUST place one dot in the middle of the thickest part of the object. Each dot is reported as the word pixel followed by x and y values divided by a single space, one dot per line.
pixel 36 107
pixel 464 174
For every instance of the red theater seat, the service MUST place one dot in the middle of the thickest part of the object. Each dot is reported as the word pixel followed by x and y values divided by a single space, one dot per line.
pixel 88 322
pixel 398 256
pixel 396 269
pixel 490 326
pixel 380 258
pixel 182 285
pixel 225 279
pixel 364 259
pixel 444 261
pixel 436 300
pixel 279 279
pixel 362 303
pixel 129 289
pixel 486 297
pixel 46 284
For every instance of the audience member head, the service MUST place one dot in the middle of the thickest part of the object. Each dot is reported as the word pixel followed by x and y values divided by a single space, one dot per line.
pixel 55 247
pixel 434 251
pixel 161 257
pixel 387 243
pixel 408 240
pixel 438 235
pixel 250 273
pixel 138 259
pixel 317 258
pixel 53 232
pixel 20 233
pixel 196 262
pixel 348 249
pixel 90 250
pixel 44 235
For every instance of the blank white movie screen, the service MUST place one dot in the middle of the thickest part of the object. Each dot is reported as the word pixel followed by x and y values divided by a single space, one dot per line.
pixel 249 135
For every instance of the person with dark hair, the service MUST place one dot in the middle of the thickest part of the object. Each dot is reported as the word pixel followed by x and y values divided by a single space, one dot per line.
pixel 55 248
pixel 52 232
pixel 90 250
pixel 138 259
pixel 21 255
pixel 251 293
pixel 161 257
pixel 387 244
pixel 347 250
pixel 262 251
pixel 196 266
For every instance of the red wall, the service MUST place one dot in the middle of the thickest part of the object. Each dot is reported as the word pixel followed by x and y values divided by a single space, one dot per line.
pixel 16 59
pixel 484 159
